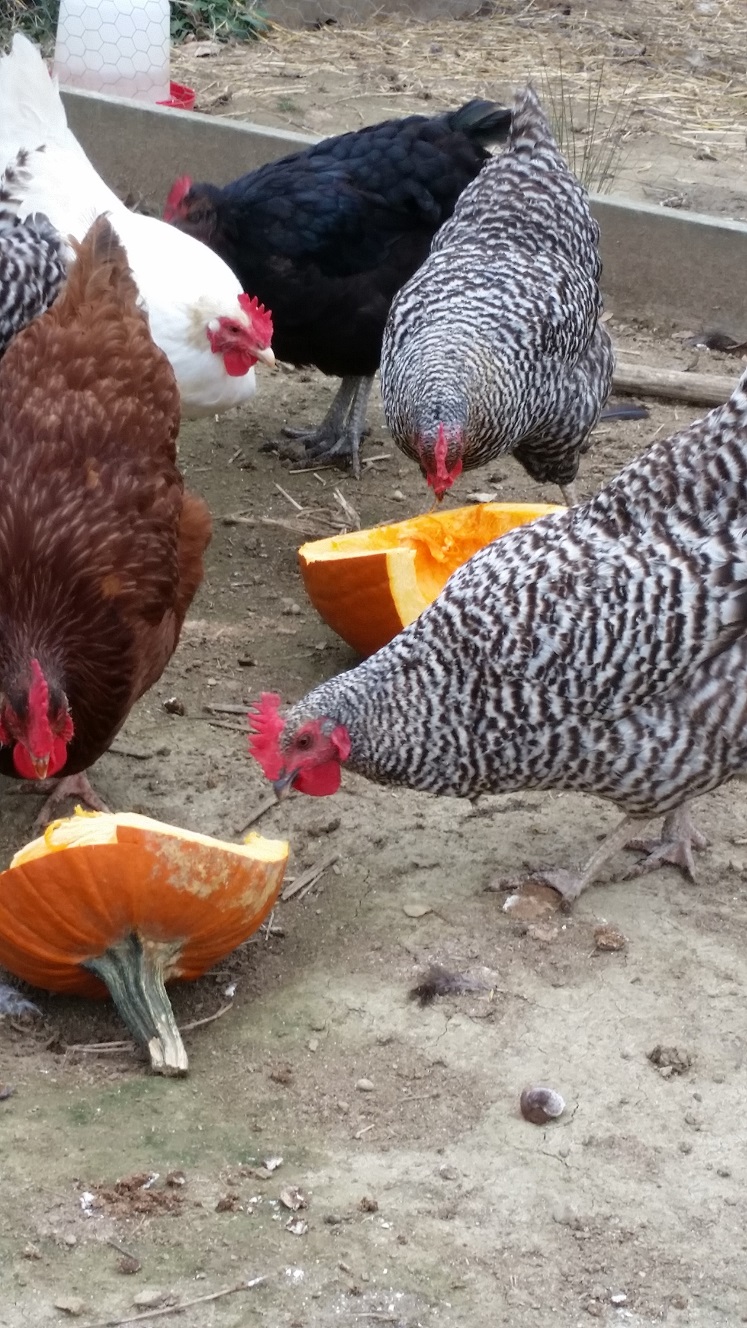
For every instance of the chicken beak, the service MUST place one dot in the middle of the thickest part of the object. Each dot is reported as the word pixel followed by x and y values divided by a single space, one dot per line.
pixel 283 784
pixel 266 356
pixel 41 766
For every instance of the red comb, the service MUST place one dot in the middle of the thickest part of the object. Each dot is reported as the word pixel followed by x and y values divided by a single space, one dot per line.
pixel 261 319
pixel 265 727
pixel 40 735
pixel 177 194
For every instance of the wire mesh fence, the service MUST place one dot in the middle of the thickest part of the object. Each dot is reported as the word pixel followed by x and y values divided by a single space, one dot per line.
pixel 221 20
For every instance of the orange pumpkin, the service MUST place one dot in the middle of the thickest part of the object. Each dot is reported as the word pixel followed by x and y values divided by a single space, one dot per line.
pixel 370 584
pixel 126 903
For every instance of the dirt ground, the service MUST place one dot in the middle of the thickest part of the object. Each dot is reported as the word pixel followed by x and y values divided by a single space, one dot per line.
pixel 430 1202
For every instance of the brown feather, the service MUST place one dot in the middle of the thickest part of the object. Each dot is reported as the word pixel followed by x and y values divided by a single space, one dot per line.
pixel 100 548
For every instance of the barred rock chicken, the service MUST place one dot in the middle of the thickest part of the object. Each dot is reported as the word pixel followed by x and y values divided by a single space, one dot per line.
pixel 212 332
pixel 32 261
pixel 100 547
pixel 602 649
pixel 494 345
pixel 326 237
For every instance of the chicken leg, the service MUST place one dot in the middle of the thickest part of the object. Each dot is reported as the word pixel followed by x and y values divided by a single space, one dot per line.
pixel 69 786
pixel 339 435
pixel 679 837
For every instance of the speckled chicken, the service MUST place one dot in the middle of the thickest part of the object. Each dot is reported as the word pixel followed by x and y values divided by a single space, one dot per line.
pixel 495 344
pixel 32 261
pixel 602 650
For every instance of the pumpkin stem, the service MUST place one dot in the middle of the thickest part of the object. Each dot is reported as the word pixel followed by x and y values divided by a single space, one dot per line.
pixel 133 970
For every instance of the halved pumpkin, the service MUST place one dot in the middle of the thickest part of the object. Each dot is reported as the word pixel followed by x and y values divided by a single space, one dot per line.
pixel 369 584
pixel 124 903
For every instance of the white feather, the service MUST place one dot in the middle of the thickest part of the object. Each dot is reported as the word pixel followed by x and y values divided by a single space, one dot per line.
pixel 183 283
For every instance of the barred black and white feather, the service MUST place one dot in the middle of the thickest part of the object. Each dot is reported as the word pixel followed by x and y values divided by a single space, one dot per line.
pixel 495 344
pixel 32 258
pixel 603 649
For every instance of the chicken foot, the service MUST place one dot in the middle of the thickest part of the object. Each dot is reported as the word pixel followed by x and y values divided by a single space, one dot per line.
pixel 674 847
pixel 339 435
pixel 69 786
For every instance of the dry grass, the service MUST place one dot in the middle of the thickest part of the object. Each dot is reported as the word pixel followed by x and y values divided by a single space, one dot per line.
pixel 678 66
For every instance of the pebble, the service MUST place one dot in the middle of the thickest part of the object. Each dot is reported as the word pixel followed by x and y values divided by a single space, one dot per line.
pixel 618 1298
pixel 70 1305
pixel 365 1086
pixel 148 1298
pixel 313 1044
pixel 398 495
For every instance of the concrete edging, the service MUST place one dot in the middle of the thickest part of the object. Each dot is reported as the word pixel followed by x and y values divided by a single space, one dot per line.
pixel 664 268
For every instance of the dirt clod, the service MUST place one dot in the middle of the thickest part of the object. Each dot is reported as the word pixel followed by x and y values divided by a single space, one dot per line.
pixel 609 938
pixel 369 1204
pixel 670 1061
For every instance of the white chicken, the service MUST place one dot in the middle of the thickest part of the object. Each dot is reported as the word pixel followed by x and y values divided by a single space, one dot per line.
pixel 211 331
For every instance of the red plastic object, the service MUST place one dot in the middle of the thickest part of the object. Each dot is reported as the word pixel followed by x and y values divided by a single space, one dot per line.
pixel 181 99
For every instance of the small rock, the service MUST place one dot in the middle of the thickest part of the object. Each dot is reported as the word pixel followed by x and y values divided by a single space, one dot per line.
pixel 228 1203
pixel 128 1265
pixel 416 910
pixel 609 938
pixel 332 1220
pixel 673 1060
pixel 313 1044
pixel 448 1173
pixel 272 1163
pixel 678 1302
pixel 723 1172
pixel 175 1179
pixel 685 1146
pixel 398 495
pixel 148 1298
pixel 593 1308
pixel 72 1305
pixel 618 1298
pixel 174 706
pixel 289 607
pixel 298 1226
pixel 293 1198
pixel 368 1204
pixel 365 1086
pixel 31 1252
pixel 70 1240
pixel 344 1107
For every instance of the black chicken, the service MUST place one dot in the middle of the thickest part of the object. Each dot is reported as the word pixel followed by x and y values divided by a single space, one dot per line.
pixel 326 237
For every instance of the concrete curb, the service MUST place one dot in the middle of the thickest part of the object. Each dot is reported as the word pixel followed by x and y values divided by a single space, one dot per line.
pixel 665 268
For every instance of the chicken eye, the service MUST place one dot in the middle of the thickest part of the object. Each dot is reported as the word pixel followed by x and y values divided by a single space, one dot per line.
pixel 304 742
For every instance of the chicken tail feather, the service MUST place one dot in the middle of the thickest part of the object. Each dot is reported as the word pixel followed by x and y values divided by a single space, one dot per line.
pixel 484 122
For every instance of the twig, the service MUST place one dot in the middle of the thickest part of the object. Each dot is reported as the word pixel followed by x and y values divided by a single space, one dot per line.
pixel 102 1048
pixel 121 1249
pixel 223 724
pixel 181 1307
pixel 226 709
pixel 133 755
pixel 291 500
pixel 308 878
pixel 672 384
pixel 259 810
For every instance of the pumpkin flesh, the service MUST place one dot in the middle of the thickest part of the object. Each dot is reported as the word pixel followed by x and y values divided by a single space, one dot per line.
pixel 369 584
pixel 129 903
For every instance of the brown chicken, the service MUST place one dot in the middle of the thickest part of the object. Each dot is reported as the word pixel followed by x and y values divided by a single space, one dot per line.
pixel 101 549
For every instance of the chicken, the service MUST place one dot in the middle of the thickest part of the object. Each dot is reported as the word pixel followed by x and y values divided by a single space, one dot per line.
pixel 100 547
pixel 602 649
pixel 327 236
pixel 32 260
pixel 212 332
pixel 495 344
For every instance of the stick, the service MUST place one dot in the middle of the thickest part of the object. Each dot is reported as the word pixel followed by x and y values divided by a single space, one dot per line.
pixel 259 810
pixel 291 500
pixel 101 1048
pixel 130 751
pixel 226 709
pixel 308 878
pixel 672 384
pixel 181 1307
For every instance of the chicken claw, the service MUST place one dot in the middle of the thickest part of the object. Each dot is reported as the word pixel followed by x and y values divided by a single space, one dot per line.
pixel 70 786
pixel 339 435
pixel 679 837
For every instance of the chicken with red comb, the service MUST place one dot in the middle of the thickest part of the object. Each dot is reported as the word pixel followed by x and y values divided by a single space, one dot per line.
pixel 308 759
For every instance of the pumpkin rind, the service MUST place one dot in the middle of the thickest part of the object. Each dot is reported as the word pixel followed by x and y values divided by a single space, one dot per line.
pixel 369 584
pixel 190 900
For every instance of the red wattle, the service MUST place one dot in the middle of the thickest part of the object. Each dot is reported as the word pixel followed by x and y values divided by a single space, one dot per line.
pixel 237 363
pixel 319 780
pixel 24 765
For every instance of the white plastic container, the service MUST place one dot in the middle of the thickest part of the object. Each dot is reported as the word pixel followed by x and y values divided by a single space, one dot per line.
pixel 120 47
